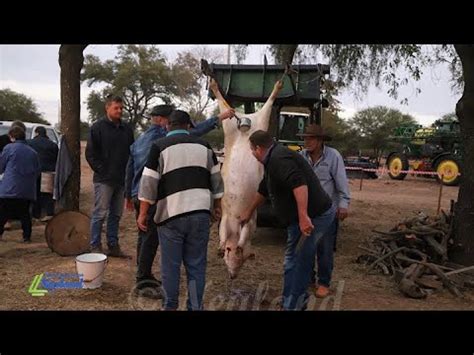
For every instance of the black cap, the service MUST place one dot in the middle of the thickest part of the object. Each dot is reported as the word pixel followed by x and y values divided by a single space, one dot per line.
pixel 162 110
pixel 180 117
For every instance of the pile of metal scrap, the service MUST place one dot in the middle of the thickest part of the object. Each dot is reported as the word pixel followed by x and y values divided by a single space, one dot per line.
pixel 415 254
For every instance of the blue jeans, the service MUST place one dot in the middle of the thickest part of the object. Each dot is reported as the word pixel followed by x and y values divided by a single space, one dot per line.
pixel 299 262
pixel 109 200
pixel 184 240
pixel 325 255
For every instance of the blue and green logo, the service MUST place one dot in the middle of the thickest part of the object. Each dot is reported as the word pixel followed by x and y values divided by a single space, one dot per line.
pixel 34 289
pixel 53 281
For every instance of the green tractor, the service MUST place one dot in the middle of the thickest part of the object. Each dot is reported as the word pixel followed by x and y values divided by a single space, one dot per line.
pixel 435 149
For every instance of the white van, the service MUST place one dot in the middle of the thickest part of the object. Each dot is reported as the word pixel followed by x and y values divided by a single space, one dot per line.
pixel 30 130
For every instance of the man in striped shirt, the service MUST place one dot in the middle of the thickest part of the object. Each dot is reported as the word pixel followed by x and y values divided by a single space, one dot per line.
pixel 182 177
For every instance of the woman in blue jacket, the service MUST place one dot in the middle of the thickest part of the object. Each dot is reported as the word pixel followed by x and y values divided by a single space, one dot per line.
pixel 20 167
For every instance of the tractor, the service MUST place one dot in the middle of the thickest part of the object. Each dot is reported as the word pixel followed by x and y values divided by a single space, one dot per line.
pixel 432 149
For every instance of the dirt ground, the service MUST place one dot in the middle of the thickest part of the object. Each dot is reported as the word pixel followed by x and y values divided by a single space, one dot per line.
pixel 380 204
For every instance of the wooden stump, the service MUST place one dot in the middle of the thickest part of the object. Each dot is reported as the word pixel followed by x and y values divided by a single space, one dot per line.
pixel 68 232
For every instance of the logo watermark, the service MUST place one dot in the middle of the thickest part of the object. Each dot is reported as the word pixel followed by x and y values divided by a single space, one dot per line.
pixel 233 299
pixel 52 281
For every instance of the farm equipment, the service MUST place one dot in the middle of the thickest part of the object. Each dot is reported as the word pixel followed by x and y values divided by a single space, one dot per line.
pixel 433 149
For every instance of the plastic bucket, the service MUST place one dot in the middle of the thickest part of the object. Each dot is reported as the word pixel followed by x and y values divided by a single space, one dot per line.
pixel 92 267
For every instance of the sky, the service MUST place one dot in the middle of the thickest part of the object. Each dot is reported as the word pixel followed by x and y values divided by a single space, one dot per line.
pixel 34 70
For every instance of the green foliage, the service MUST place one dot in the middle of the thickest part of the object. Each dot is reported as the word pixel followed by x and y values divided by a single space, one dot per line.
pixel 139 74
pixel 374 126
pixel 84 130
pixel 17 106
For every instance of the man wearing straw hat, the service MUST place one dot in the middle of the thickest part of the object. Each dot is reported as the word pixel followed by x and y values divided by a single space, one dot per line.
pixel 328 165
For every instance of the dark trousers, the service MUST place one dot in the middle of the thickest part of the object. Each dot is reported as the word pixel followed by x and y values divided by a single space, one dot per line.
pixel 147 244
pixel 44 201
pixel 11 208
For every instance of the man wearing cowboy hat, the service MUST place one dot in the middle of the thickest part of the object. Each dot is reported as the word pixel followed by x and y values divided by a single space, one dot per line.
pixel 328 165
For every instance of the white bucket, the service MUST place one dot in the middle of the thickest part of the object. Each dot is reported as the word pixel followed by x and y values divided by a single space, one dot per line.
pixel 92 267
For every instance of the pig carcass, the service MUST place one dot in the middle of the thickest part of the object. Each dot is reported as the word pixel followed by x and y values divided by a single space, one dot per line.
pixel 241 174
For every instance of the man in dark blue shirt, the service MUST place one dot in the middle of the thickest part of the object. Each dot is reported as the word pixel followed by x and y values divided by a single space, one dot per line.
pixel 48 154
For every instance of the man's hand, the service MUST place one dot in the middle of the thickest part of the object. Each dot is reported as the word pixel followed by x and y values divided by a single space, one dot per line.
pixel 226 114
pixel 216 213
pixel 129 205
pixel 306 226
pixel 141 222
pixel 245 216
pixel 278 85
pixel 342 213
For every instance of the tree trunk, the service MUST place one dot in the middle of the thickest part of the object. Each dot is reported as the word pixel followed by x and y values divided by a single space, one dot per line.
pixel 464 224
pixel 284 53
pixel 71 60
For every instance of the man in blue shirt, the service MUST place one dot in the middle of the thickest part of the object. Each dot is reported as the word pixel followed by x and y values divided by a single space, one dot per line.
pixel 20 167
pixel 328 165
pixel 147 243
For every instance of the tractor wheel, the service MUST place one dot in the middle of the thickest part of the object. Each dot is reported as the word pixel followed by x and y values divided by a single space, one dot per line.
pixel 397 163
pixel 448 168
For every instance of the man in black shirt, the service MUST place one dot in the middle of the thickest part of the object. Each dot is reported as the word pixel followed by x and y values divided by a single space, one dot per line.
pixel 301 203
pixel 107 151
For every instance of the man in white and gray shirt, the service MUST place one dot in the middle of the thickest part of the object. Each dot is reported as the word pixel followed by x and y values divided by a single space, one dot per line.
pixel 328 165
pixel 182 177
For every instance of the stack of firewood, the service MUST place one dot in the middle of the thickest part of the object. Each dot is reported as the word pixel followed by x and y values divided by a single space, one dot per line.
pixel 415 253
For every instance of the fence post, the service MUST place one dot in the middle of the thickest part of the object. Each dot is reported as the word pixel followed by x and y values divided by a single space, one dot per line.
pixel 440 194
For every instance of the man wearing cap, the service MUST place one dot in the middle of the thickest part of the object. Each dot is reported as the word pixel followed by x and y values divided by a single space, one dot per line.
pixel 48 154
pixel 147 243
pixel 299 202
pixel 328 165
pixel 182 177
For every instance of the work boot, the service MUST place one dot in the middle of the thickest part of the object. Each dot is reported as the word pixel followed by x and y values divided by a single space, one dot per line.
pixel 115 251
pixel 96 249
pixel 322 292
pixel 46 219
pixel 7 226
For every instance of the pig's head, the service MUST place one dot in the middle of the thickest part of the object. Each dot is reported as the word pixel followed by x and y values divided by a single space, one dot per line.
pixel 234 257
